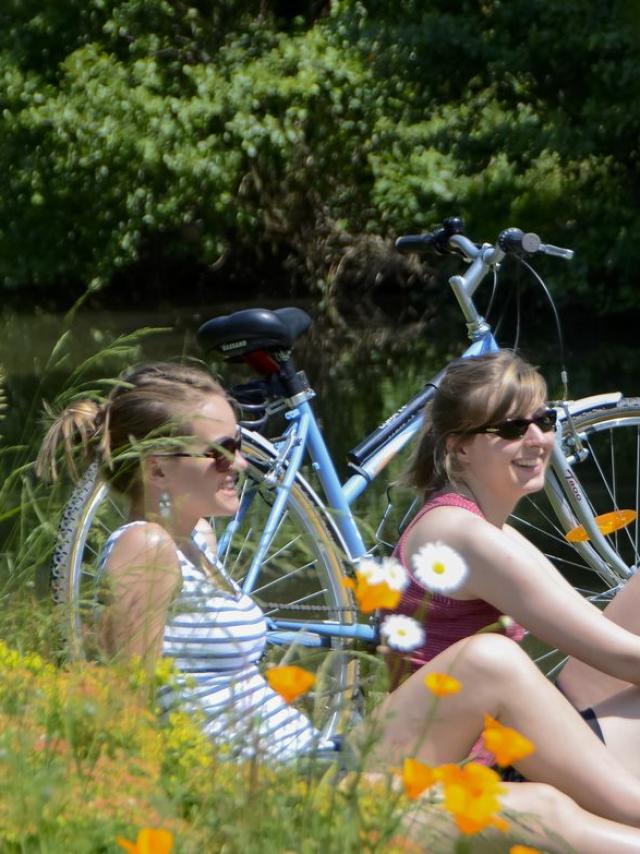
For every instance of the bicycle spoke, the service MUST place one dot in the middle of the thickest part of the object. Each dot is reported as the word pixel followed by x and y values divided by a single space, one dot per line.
pixel 551 523
pixel 609 474
pixel 538 529
pixel 300 601
pixel 609 487
pixel 281 550
pixel 283 578
pixel 573 564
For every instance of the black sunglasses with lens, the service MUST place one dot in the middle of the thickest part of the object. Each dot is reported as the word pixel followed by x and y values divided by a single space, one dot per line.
pixel 515 428
pixel 222 453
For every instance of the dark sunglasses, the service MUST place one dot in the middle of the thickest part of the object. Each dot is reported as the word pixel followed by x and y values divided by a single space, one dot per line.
pixel 515 428
pixel 222 453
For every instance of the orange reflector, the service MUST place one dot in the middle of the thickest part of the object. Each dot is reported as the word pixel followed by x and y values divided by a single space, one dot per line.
pixel 607 523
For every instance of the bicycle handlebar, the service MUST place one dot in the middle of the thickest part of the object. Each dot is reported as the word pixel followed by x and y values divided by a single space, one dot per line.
pixel 450 237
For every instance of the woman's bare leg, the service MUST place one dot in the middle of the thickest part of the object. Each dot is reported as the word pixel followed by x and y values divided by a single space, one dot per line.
pixel 500 679
pixel 551 818
pixel 615 702
pixel 584 685
pixel 538 815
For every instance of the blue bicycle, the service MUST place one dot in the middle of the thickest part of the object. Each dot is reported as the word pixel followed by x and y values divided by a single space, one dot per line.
pixel 296 537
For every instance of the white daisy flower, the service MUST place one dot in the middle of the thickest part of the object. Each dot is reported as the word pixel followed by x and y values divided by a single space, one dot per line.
pixel 388 570
pixel 394 574
pixel 402 633
pixel 438 567
pixel 370 569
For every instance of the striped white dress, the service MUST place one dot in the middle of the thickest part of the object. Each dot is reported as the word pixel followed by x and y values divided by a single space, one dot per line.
pixel 216 639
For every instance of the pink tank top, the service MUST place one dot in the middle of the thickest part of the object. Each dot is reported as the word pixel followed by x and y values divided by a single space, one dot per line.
pixel 445 620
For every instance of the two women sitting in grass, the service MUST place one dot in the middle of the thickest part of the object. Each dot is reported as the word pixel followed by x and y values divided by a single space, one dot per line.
pixel 169 596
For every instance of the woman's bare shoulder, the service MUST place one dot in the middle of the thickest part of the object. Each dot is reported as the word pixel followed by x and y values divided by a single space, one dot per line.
pixel 143 544
pixel 455 526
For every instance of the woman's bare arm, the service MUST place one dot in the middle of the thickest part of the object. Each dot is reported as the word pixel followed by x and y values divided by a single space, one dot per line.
pixel 142 574
pixel 503 573
pixel 518 581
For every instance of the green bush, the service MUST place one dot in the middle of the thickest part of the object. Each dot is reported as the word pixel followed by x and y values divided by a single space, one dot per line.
pixel 233 130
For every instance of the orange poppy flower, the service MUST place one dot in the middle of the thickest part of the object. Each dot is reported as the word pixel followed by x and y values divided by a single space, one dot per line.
pixel 371 597
pixel 471 795
pixel 151 840
pixel 523 849
pixel 441 684
pixel 506 744
pixel 290 681
pixel 417 777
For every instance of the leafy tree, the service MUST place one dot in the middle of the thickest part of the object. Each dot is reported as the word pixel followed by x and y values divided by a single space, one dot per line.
pixel 280 138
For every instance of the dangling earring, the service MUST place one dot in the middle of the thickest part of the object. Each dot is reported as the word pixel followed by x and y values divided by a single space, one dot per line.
pixel 164 505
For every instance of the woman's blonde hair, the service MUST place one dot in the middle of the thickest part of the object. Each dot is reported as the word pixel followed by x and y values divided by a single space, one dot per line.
pixel 473 393
pixel 152 400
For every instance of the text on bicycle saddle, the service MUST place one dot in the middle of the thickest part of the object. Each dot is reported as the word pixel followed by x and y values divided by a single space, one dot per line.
pixel 253 329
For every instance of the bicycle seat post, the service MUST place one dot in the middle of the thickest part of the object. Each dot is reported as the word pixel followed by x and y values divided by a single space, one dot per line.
pixel 295 383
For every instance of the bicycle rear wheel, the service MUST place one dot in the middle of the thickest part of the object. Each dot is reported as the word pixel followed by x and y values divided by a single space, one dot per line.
pixel 300 581
pixel 609 474
pixel 300 578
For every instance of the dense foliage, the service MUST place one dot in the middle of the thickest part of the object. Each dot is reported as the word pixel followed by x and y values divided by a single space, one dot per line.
pixel 141 135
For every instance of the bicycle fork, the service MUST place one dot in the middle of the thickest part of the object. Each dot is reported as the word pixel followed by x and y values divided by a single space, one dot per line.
pixel 570 503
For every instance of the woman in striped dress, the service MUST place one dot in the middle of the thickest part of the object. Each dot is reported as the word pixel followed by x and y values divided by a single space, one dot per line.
pixel 168 596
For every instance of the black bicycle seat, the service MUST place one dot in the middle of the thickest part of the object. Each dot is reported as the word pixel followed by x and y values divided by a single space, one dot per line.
pixel 235 335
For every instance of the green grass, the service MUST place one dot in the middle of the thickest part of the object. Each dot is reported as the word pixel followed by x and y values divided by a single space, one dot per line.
pixel 84 755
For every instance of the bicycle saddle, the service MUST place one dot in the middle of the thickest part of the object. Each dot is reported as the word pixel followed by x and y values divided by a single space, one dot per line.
pixel 252 329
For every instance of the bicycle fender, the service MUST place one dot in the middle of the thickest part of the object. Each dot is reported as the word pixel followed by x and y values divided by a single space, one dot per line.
pixel 595 401
pixel 269 447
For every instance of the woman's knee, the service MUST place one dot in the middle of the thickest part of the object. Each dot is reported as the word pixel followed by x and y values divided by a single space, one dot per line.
pixel 495 656
pixel 555 809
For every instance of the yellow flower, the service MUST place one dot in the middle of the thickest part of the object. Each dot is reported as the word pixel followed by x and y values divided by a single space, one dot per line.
pixel 151 840
pixel 506 744
pixel 417 777
pixel 471 795
pixel 523 849
pixel 441 684
pixel 290 681
pixel 370 597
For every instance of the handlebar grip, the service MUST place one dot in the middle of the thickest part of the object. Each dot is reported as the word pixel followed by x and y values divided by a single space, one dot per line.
pixel 515 241
pixel 557 251
pixel 415 242
pixel 436 241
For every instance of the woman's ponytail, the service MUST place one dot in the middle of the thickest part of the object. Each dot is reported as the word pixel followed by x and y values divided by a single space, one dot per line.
pixel 72 434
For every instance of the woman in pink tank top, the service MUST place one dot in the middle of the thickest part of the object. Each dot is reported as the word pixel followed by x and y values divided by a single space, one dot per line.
pixel 486 444
pixel 447 619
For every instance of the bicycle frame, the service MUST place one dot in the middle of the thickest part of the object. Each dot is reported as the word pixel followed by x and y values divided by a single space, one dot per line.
pixel 303 436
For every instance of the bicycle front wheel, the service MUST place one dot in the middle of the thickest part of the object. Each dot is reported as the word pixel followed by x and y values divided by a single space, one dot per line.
pixel 609 474
pixel 300 578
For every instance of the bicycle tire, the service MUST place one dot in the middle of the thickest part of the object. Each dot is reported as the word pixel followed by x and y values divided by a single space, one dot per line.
pixel 610 478
pixel 301 579
pixel 305 534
